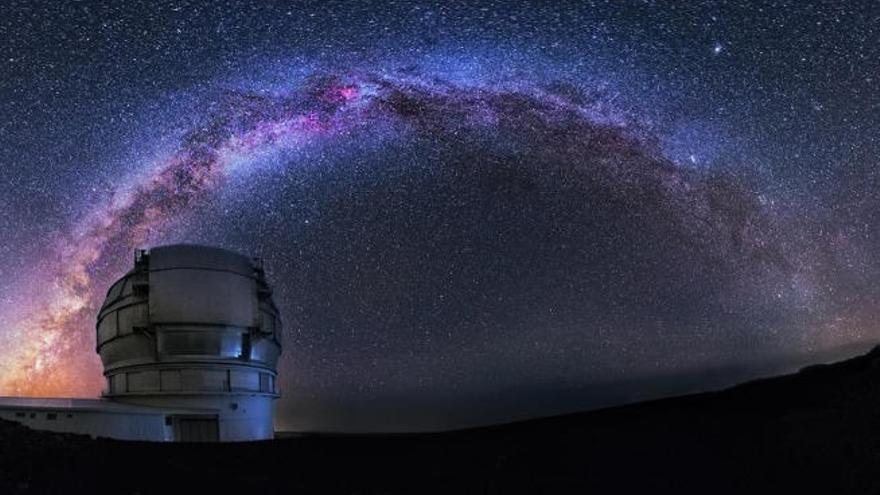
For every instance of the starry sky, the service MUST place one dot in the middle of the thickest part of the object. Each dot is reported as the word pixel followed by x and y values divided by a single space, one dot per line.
pixel 470 212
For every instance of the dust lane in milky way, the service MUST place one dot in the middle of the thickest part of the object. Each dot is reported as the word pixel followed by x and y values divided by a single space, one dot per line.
pixel 719 241
pixel 46 352
pixel 47 358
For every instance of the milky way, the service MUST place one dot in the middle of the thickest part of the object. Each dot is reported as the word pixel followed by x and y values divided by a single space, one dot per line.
pixel 237 127
pixel 449 226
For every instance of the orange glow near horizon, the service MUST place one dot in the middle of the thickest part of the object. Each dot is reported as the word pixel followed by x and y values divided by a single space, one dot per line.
pixel 50 349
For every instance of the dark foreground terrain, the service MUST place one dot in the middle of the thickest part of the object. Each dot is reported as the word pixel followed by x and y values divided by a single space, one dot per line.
pixel 817 431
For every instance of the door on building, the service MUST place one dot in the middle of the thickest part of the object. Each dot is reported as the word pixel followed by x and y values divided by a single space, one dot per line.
pixel 197 429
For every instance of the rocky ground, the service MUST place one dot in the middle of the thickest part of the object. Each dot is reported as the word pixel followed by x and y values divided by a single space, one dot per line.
pixel 817 431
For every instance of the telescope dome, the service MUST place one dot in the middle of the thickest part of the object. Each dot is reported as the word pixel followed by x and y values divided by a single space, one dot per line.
pixel 194 327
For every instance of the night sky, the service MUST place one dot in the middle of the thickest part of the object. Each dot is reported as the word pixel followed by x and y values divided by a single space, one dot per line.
pixel 470 212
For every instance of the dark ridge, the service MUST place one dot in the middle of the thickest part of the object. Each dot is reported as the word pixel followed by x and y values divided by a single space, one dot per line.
pixel 815 431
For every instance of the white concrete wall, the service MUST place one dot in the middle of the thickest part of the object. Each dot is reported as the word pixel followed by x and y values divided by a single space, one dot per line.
pixel 242 417
pixel 122 426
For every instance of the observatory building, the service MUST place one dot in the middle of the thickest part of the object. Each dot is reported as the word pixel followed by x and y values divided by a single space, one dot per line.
pixel 189 340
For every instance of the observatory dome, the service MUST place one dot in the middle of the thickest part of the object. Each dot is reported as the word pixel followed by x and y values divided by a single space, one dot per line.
pixel 194 327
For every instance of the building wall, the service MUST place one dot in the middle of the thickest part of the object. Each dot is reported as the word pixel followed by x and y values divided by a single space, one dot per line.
pixel 242 417
pixel 122 426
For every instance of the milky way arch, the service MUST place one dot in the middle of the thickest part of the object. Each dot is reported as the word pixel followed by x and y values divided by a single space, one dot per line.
pixel 559 127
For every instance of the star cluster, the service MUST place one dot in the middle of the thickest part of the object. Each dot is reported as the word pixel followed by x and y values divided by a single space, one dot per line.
pixel 470 212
